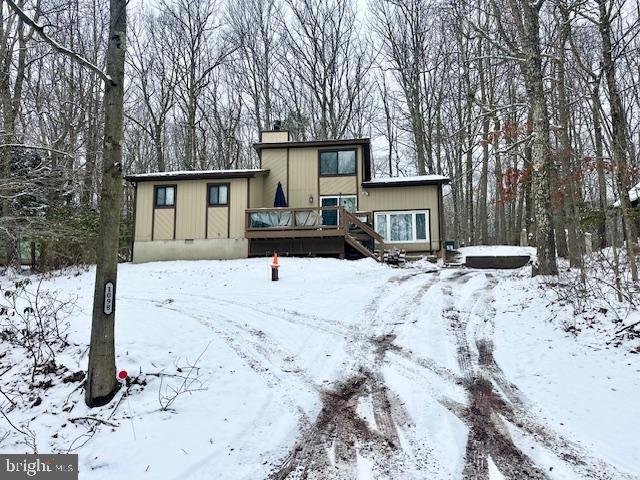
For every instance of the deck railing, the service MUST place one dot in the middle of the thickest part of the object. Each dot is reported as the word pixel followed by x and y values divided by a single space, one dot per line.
pixel 325 221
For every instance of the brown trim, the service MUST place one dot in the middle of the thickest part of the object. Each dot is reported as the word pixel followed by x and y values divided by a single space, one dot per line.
pixel 228 184
pixel 135 209
pixel 400 183
pixel 288 199
pixel 326 232
pixel 318 175
pixel 354 174
pixel 196 175
pixel 175 211
pixel 357 171
pixel 229 219
pixel 153 220
pixel 313 143
pixel 206 222
pixel 175 195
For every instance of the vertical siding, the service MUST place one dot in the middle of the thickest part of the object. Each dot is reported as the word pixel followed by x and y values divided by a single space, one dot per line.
pixel 276 161
pixel 338 185
pixel 190 206
pixel 256 197
pixel 163 224
pixel 217 222
pixel 405 198
pixel 144 210
pixel 303 177
pixel 237 207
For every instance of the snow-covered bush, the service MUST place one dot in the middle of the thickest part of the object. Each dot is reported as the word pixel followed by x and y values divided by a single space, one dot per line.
pixel 34 320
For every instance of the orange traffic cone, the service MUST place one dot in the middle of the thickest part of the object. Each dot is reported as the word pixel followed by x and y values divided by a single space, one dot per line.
pixel 274 268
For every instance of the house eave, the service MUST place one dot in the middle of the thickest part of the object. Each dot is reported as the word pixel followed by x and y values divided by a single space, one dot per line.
pixel 312 143
pixel 195 175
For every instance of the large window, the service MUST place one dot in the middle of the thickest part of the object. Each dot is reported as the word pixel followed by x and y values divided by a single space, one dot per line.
pixel 403 226
pixel 218 194
pixel 331 217
pixel 165 196
pixel 337 162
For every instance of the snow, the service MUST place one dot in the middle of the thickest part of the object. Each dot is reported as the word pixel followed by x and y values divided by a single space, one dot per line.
pixel 273 353
pixel 634 194
pixel 496 251
pixel 585 389
pixel 189 173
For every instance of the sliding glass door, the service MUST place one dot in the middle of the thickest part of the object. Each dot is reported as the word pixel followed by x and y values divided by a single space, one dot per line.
pixel 332 217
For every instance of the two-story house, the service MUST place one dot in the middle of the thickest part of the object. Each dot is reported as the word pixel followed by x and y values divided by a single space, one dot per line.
pixel 307 198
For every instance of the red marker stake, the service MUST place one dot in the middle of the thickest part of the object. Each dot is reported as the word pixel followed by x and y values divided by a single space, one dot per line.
pixel 122 374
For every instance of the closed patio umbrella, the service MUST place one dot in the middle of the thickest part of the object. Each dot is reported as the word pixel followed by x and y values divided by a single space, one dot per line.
pixel 280 200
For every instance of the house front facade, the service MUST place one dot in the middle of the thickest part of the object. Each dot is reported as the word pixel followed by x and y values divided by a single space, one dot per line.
pixel 327 204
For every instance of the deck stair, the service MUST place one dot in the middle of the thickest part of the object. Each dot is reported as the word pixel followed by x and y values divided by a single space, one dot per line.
pixel 361 236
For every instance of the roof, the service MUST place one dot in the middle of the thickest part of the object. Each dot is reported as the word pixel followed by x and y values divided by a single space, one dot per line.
pixel 634 194
pixel 195 175
pixel 312 143
pixel 417 180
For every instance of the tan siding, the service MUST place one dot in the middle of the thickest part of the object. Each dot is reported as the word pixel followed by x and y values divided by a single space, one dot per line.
pixel 217 222
pixel 338 185
pixel 190 206
pixel 274 137
pixel 303 177
pixel 360 172
pixel 406 198
pixel 144 210
pixel 237 204
pixel 163 224
pixel 256 185
pixel 276 161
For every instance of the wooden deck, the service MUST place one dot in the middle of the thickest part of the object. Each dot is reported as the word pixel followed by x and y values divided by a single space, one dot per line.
pixel 310 231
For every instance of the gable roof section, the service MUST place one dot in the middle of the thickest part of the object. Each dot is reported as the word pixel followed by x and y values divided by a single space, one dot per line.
pixel 195 175
pixel 417 180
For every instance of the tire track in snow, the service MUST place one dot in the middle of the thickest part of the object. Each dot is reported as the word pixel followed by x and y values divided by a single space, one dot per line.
pixel 330 448
pixel 488 410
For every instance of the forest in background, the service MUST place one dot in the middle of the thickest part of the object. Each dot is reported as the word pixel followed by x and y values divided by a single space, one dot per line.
pixel 530 107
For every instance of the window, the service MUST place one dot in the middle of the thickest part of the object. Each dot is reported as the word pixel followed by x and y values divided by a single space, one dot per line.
pixel 337 162
pixel 403 226
pixel 331 217
pixel 165 196
pixel 218 194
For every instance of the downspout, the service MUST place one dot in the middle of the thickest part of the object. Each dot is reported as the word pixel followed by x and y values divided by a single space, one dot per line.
pixel 440 222
pixel 135 208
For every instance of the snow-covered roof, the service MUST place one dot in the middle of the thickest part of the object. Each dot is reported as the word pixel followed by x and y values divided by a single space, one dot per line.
pixel 196 174
pixel 406 181
pixel 634 195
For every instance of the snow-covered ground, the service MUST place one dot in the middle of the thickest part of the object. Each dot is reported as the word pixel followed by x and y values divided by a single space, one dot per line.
pixel 495 251
pixel 339 370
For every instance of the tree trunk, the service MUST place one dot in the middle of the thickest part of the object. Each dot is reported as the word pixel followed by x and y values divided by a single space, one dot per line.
pixel 101 384
pixel 540 148
pixel 599 160
pixel 566 154
pixel 618 135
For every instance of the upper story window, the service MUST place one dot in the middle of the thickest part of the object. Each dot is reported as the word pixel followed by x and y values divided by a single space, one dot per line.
pixel 337 162
pixel 218 194
pixel 165 196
